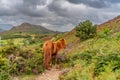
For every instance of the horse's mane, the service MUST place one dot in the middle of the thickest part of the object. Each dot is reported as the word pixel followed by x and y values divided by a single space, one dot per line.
pixel 61 43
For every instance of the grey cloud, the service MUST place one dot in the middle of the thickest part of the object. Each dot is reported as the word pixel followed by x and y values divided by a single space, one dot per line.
pixel 29 7
pixel 91 3
pixel 6 9
pixel 25 7
pixel 56 7
pixel 72 14
pixel 7 12
pixel 115 1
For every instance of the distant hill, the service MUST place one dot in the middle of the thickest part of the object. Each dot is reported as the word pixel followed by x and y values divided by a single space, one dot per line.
pixel 113 24
pixel 5 26
pixel 29 28
pixel 1 30
pixel 25 30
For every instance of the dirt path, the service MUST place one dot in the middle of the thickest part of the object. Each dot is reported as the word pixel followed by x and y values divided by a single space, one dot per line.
pixel 52 74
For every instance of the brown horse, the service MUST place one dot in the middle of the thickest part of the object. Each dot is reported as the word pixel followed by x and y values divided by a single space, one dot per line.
pixel 51 49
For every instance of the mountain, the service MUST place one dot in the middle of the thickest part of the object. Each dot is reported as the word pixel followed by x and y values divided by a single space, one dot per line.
pixel 1 30
pixel 113 24
pixel 29 28
pixel 5 26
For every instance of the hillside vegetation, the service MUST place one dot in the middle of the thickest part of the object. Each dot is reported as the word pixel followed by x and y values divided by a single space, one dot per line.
pixel 96 58
pixel 113 24
pixel 20 56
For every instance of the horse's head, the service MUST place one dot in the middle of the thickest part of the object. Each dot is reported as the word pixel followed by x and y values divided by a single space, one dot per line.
pixel 63 43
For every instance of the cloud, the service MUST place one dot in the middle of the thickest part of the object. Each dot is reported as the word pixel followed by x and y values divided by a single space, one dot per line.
pixel 115 1
pixel 35 8
pixel 61 15
pixel 91 3
pixel 6 8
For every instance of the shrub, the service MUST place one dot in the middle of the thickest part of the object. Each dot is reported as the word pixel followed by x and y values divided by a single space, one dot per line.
pixel 27 62
pixel 4 72
pixel 85 30
pixel 111 59
pixel 24 59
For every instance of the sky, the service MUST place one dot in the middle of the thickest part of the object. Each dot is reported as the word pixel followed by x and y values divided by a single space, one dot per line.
pixel 58 15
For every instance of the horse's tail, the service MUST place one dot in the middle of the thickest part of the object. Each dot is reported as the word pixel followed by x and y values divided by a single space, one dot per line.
pixel 48 50
pixel 45 56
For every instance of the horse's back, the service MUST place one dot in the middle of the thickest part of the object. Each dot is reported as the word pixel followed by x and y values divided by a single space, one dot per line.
pixel 48 44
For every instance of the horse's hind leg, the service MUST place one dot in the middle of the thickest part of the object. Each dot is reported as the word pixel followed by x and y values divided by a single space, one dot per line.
pixel 56 58
pixel 49 61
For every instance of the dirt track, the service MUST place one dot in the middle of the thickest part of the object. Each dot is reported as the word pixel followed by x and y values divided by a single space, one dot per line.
pixel 52 74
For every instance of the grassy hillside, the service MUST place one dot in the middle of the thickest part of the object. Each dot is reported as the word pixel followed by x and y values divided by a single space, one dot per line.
pixel 93 59
pixel 97 58
pixel 113 24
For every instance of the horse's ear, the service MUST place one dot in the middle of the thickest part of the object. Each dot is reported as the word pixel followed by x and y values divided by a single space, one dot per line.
pixel 63 41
